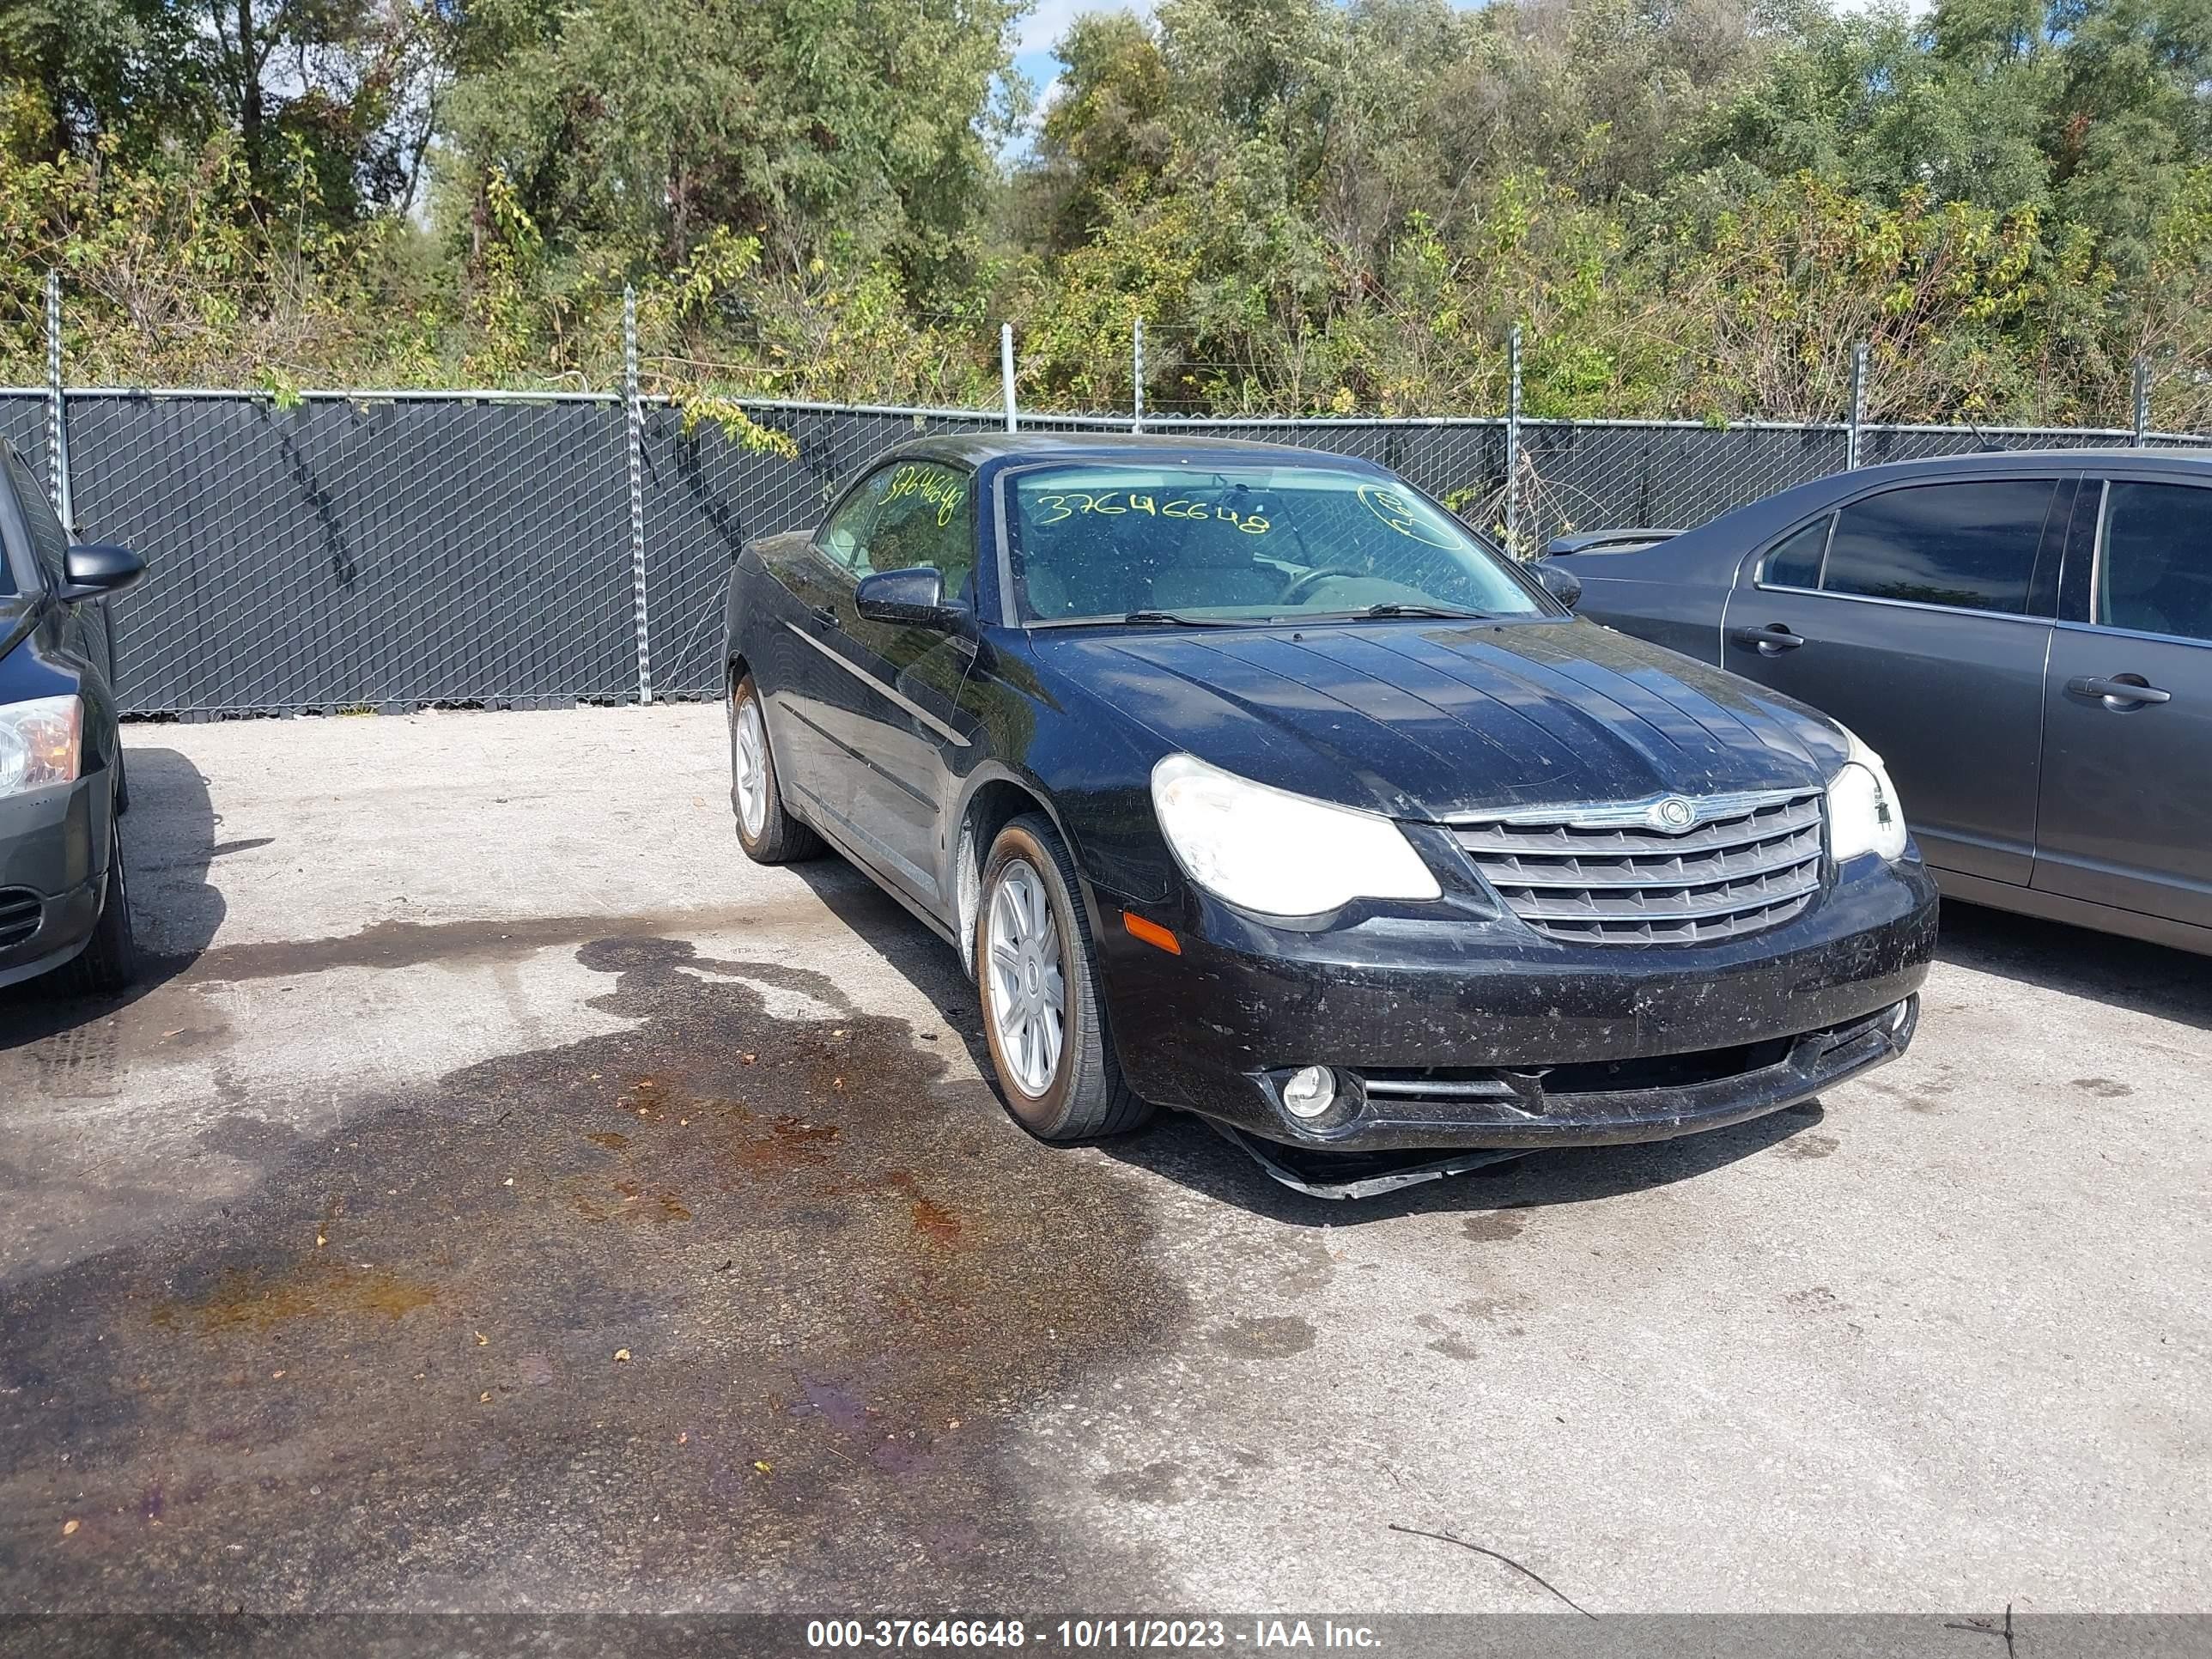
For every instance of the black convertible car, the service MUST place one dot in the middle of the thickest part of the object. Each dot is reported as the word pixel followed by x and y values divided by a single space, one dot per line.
pixel 1248 782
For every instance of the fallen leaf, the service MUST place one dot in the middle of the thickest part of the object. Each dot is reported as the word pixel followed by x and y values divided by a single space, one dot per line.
pixel 273 1376
pixel 320 1241
pixel 68 1527
pixel 621 1356
pixel 763 1468
pixel 483 1341
pixel 484 1399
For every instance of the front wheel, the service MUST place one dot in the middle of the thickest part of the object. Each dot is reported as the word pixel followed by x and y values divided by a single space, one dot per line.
pixel 1037 978
pixel 766 829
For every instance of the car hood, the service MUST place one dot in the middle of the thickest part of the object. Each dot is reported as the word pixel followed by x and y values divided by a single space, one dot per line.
pixel 1441 722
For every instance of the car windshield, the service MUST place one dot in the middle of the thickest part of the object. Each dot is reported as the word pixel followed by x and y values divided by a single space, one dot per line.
pixel 1198 545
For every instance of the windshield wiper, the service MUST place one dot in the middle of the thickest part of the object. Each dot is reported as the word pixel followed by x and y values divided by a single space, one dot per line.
pixel 1177 618
pixel 1369 612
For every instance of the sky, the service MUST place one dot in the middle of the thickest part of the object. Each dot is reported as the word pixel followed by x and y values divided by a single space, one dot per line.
pixel 1045 24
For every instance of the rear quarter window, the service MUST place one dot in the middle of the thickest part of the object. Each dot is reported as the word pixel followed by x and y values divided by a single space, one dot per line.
pixel 1795 560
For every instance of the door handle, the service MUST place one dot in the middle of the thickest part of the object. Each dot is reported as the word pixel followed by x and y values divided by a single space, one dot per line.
pixel 1770 641
pixel 2120 691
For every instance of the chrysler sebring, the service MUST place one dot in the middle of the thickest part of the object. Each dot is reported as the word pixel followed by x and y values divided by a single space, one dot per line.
pixel 1247 781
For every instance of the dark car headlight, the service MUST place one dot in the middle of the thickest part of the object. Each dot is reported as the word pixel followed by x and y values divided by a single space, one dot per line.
pixel 1279 854
pixel 42 742
pixel 1864 814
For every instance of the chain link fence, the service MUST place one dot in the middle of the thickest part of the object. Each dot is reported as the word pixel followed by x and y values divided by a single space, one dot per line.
pixel 380 550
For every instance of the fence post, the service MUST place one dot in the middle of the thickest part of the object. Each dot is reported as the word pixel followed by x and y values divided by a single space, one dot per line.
pixel 1137 373
pixel 1007 369
pixel 1852 438
pixel 1513 442
pixel 57 468
pixel 634 434
pixel 2143 402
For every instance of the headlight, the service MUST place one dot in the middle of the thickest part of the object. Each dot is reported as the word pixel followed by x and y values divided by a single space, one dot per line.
pixel 41 742
pixel 1864 815
pixel 1281 854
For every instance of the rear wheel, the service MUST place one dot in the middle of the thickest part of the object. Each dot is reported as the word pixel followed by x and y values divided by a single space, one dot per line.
pixel 109 963
pixel 766 830
pixel 1037 975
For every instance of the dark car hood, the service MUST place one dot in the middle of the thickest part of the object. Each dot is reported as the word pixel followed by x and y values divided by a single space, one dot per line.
pixel 1438 721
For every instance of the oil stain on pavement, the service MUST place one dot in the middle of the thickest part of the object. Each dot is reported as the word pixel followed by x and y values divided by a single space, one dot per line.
pixel 722 1309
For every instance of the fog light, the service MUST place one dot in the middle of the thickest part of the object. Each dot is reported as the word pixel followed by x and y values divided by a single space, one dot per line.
pixel 1310 1091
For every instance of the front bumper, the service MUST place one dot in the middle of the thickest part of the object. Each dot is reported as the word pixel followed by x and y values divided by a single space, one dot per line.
pixel 1458 1033
pixel 54 875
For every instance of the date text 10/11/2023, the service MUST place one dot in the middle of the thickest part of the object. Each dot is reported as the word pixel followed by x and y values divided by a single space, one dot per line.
pixel 1090 1634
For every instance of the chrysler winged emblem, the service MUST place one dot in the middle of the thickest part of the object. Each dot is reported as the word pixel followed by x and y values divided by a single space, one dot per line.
pixel 1674 815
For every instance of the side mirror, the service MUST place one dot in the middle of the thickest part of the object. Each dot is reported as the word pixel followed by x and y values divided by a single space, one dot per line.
pixel 100 571
pixel 1561 583
pixel 910 599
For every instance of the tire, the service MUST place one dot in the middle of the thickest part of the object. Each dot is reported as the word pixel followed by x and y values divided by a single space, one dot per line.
pixel 1074 1090
pixel 766 828
pixel 108 964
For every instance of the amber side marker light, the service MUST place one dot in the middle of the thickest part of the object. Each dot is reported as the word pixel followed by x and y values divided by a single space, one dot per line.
pixel 1152 932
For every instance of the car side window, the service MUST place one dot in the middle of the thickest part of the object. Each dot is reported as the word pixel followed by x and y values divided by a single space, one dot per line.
pixel 927 518
pixel 1795 560
pixel 845 538
pixel 904 515
pixel 1972 546
pixel 49 541
pixel 2155 560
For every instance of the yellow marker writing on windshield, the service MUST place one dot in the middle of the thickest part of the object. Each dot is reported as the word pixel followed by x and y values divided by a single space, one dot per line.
pixel 1402 515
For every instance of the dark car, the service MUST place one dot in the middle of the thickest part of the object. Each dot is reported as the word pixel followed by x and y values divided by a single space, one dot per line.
pixel 2026 638
pixel 1248 782
pixel 63 901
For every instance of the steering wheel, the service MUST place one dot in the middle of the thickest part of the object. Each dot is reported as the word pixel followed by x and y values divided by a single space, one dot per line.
pixel 1299 588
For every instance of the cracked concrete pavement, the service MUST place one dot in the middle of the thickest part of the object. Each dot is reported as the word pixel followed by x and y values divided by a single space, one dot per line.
pixel 504 1196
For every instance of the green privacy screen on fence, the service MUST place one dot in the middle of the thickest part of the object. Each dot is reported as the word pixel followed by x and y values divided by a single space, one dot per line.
pixel 368 551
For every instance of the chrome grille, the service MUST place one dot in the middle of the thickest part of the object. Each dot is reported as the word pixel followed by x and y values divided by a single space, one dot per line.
pixel 1605 876
pixel 20 913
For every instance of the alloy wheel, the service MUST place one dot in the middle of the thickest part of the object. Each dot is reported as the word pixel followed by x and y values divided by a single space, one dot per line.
pixel 749 758
pixel 1029 991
